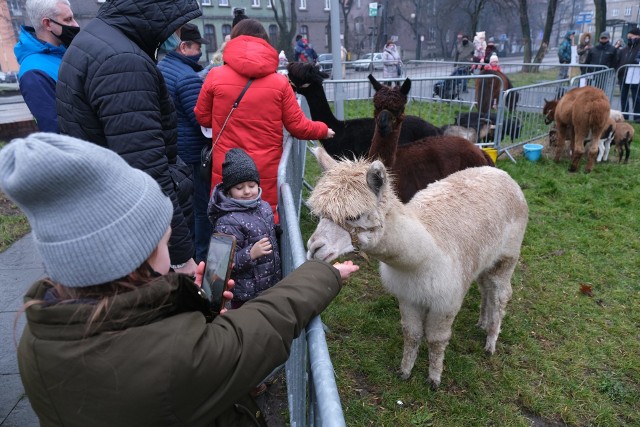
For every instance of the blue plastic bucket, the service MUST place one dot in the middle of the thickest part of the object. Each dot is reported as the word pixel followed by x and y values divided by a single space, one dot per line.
pixel 532 152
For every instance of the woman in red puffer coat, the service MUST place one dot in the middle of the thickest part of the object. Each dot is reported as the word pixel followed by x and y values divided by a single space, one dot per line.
pixel 268 104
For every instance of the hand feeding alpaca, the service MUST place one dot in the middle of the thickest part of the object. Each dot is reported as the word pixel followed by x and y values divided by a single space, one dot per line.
pixel 353 137
pixel 419 163
pixel 580 114
pixel 431 249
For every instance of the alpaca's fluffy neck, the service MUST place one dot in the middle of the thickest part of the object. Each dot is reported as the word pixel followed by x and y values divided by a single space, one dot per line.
pixel 319 107
pixel 385 147
pixel 406 243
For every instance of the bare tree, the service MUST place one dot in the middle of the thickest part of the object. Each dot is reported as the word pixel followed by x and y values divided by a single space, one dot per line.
pixel 345 7
pixel 601 15
pixel 287 25
pixel 473 8
pixel 546 34
pixel 523 12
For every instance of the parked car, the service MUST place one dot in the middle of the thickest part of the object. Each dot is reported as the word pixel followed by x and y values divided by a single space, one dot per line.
pixel 9 77
pixel 365 63
pixel 325 62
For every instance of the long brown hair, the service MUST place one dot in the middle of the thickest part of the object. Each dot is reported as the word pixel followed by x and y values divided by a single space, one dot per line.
pixel 249 27
pixel 104 295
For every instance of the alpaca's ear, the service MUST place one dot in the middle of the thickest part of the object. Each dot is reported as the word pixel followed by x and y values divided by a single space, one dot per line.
pixel 406 86
pixel 376 84
pixel 376 177
pixel 324 159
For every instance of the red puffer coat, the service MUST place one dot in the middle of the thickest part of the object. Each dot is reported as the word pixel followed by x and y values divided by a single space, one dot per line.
pixel 256 125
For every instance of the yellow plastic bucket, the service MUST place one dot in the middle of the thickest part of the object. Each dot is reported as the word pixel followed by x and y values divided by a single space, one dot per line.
pixel 492 152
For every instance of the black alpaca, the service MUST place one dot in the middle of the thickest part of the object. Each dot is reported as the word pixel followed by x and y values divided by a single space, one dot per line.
pixel 353 137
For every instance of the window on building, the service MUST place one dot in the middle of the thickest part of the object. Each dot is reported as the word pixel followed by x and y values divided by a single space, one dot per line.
pixel 223 2
pixel 304 31
pixel 303 4
pixel 206 2
pixel 255 3
pixel 210 37
pixel 615 12
pixel 226 30
pixel 273 34
pixel 269 4
pixel 327 29
pixel 327 4
pixel 627 11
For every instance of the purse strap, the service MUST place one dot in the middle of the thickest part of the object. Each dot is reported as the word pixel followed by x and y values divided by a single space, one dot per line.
pixel 235 105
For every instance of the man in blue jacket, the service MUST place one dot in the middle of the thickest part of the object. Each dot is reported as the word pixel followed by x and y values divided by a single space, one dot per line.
pixel 180 70
pixel 564 54
pixel 39 52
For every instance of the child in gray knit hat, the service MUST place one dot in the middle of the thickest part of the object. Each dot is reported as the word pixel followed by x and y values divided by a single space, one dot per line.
pixel 236 208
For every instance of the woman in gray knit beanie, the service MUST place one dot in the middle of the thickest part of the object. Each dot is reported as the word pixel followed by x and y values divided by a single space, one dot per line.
pixel 112 338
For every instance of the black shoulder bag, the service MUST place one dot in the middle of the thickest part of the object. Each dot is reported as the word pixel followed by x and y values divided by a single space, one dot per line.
pixel 207 151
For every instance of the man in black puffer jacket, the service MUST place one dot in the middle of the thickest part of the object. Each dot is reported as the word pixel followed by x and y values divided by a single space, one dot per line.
pixel 110 92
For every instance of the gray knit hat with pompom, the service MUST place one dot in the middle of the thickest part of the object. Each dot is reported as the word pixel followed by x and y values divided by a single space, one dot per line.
pixel 238 167
pixel 94 218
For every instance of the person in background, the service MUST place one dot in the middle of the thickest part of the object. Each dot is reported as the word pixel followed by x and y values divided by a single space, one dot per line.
pixel 268 104
pixel 463 53
pixel 584 45
pixel 112 337
pixel 310 52
pixel 602 53
pixel 111 92
pixel 180 70
pixel 629 76
pixel 490 50
pixel 564 54
pixel 494 63
pixel 39 52
pixel 392 63
pixel 238 15
pixel 169 45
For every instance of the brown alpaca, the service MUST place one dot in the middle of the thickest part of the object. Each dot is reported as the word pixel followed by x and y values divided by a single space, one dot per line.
pixel 488 92
pixel 580 114
pixel 419 163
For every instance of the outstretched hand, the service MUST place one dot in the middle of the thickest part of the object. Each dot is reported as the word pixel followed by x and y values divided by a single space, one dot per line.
pixel 346 268
pixel 330 133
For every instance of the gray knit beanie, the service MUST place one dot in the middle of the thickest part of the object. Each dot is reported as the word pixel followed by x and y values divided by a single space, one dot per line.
pixel 238 167
pixel 94 218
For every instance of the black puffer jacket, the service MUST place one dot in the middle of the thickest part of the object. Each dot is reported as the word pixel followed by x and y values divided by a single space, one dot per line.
pixel 110 92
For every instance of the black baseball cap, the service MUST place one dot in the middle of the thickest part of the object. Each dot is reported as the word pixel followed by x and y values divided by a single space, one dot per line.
pixel 190 33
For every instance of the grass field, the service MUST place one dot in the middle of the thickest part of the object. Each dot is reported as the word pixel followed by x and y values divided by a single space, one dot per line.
pixel 569 351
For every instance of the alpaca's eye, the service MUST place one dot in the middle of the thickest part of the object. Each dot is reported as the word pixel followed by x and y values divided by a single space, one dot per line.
pixel 352 218
pixel 306 85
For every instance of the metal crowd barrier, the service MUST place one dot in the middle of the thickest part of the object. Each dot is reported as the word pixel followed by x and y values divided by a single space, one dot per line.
pixel 311 387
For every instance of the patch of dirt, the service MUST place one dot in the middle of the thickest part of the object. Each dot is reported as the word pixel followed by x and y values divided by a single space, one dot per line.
pixel 274 402
pixel 7 207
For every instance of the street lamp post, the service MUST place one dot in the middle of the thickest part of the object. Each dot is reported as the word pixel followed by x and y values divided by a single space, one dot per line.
pixel 414 18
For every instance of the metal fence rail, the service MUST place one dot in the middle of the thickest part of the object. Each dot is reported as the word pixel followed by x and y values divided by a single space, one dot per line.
pixel 311 387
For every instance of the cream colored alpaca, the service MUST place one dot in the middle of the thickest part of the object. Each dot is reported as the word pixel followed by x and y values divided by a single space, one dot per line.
pixel 468 226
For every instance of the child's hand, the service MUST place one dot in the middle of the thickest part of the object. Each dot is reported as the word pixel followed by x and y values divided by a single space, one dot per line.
pixel 260 248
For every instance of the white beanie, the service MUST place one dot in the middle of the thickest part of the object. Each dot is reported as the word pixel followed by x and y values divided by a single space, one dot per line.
pixel 493 57
pixel 94 218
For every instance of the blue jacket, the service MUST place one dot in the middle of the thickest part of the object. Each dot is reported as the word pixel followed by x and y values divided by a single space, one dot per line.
pixel 564 49
pixel 248 224
pixel 39 63
pixel 184 84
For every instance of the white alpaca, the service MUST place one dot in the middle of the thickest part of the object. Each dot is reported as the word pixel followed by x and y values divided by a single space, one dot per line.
pixel 468 226
pixel 604 144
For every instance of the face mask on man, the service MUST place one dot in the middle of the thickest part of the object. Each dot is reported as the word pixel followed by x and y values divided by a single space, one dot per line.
pixel 170 44
pixel 632 41
pixel 67 34
pixel 465 42
pixel 195 58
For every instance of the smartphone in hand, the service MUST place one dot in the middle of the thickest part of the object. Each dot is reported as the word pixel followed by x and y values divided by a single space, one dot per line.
pixel 218 269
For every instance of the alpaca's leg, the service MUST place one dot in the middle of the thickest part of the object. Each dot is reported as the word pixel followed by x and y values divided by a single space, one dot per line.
pixel 593 149
pixel 438 331
pixel 578 148
pixel 411 319
pixel 498 279
pixel 607 148
pixel 486 303
pixel 561 136
pixel 602 150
